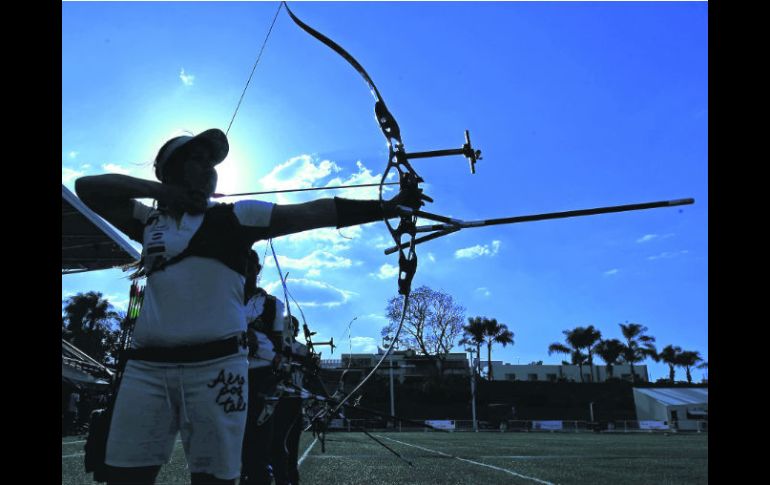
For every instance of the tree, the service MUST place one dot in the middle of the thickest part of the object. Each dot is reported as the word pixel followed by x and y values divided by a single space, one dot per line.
pixel 610 352
pixel 473 334
pixel 495 333
pixel 687 359
pixel 589 336
pixel 704 365
pixel 670 355
pixel 432 324
pixel 577 358
pixel 91 324
pixel 638 345
pixel 579 338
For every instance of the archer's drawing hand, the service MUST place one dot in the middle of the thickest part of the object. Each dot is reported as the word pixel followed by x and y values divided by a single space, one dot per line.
pixel 180 199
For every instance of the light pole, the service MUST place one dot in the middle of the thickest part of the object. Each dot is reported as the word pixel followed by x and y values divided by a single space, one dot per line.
pixel 387 342
pixel 473 390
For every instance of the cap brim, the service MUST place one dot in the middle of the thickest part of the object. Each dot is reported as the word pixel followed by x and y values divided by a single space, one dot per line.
pixel 216 140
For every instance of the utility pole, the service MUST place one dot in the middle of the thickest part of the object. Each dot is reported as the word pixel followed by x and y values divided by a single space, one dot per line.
pixel 473 390
pixel 386 342
pixel 392 399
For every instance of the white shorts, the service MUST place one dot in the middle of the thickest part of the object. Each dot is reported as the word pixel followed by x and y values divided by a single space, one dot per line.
pixel 205 401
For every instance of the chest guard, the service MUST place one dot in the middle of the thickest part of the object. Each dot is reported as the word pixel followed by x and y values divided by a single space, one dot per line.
pixel 219 237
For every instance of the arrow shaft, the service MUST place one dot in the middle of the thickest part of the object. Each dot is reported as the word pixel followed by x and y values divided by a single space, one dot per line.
pixel 332 187
pixel 454 225
pixel 578 213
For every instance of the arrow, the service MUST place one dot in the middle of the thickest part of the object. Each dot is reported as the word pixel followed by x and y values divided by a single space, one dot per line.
pixel 453 225
pixel 331 187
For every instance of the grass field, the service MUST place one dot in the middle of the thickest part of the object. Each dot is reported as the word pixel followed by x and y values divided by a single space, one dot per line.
pixel 474 458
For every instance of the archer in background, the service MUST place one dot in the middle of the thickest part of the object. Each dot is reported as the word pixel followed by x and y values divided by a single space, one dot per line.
pixel 186 370
pixel 288 422
pixel 266 332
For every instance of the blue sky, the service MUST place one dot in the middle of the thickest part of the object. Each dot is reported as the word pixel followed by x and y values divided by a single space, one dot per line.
pixel 574 105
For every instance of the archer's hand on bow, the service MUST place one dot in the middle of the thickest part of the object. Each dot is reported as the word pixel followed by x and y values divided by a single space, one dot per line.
pixel 410 196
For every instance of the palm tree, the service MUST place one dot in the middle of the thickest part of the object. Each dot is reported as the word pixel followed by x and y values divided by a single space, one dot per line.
pixel 589 336
pixel 577 358
pixel 579 338
pixel 610 352
pixel 687 359
pixel 573 348
pixel 704 365
pixel 495 333
pixel 638 346
pixel 473 334
pixel 670 355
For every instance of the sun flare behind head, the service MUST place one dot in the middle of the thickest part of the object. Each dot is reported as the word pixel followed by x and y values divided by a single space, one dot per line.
pixel 231 174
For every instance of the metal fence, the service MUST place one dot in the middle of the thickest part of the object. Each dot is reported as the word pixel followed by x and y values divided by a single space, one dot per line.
pixel 527 426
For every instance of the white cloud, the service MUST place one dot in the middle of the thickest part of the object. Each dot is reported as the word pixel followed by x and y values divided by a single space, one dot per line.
pixel 484 291
pixel 72 154
pixel 376 316
pixel 315 260
pixel 336 240
pixel 115 168
pixel 187 79
pixel 363 176
pixel 298 172
pixel 313 273
pixel 431 258
pixel 85 166
pixel 650 237
pixel 306 171
pixel 387 271
pixel 120 302
pixel 67 174
pixel 380 242
pixel 363 345
pixel 667 255
pixel 611 272
pixel 478 251
pixel 311 293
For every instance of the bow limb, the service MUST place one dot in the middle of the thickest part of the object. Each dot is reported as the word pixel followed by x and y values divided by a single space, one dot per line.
pixel 407 177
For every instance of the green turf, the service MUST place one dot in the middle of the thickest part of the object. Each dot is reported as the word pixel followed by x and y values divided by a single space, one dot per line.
pixel 584 458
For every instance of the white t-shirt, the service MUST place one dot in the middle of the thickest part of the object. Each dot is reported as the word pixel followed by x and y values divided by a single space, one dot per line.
pixel 265 349
pixel 198 299
pixel 297 375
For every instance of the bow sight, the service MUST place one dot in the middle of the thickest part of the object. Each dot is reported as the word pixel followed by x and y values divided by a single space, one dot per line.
pixel 467 151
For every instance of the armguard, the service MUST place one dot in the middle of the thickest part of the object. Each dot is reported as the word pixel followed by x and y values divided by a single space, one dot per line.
pixel 355 212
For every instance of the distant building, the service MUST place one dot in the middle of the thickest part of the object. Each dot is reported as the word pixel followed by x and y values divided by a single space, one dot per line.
pixel 677 408
pixel 554 373
pixel 406 364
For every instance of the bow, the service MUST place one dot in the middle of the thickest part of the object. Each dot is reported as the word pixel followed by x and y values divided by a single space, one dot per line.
pixel 408 178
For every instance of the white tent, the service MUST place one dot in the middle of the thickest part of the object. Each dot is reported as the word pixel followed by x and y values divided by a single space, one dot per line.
pixel 79 368
pixel 682 408
pixel 88 243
